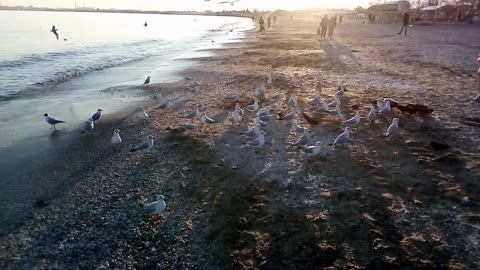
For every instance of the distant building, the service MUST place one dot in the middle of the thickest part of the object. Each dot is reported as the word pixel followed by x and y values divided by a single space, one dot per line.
pixel 389 11
pixel 443 13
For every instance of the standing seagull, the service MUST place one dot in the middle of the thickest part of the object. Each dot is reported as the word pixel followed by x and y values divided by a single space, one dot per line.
pixel 52 121
pixel 371 115
pixel 147 80
pixel 96 116
pixel 393 129
pixel 145 146
pixel 157 206
pixel 314 150
pixel 259 141
pixel 88 126
pixel 116 137
pixel 254 107
pixel 354 120
pixel 194 113
pixel 303 140
pixel 343 138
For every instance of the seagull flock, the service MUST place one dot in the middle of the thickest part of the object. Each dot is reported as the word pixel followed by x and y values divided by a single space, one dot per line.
pixel 262 117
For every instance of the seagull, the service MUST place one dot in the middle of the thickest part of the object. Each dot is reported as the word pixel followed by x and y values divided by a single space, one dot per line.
pixel 380 104
pixel 343 138
pixel 337 108
pixel 303 140
pixel 116 137
pixel 323 107
pixel 477 98
pixel 386 109
pixel 393 129
pixel 233 98
pixel 290 116
pixel 314 150
pixel 265 111
pixel 260 91
pixel 165 106
pixel 371 115
pixel 335 102
pixel 354 120
pixel 187 78
pixel 237 108
pixel 206 120
pixel 253 132
pixel 157 206
pixel 96 116
pixel 145 146
pixel 194 113
pixel 277 97
pixel 52 121
pixel 143 114
pixel 269 80
pixel 259 141
pixel 189 127
pixel 298 129
pixel 254 107
pixel 257 121
pixel 88 126
pixel 277 106
pixel 341 90
pixel 265 117
pixel 147 80
pixel 291 102
pixel 236 117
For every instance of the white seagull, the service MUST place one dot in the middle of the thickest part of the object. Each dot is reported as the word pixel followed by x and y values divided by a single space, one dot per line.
pixel 145 146
pixel 116 139
pixel 314 150
pixel 253 132
pixel 344 137
pixel 206 120
pixel 298 129
pixel 291 102
pixel 165 106
pixel 52 121
pixel 303 140
pixel 143 114
pixel 259 141
pixel 254 107
pixel 372 115
pixel 393 129
pixel 237 108
pixel 354 120
pixel 157 206
pixel 194 113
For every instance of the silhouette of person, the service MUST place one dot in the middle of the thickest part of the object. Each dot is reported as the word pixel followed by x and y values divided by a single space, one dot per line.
pixel 406 19
pixel 324 26
pixel 269 19
pixel 331 26
pixel 54 31
pixel 274 19
pixel 145 24
pixel 261 21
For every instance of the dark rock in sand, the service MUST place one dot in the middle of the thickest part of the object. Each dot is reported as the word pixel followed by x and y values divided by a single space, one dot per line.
pixel 439 146
pixel 41 203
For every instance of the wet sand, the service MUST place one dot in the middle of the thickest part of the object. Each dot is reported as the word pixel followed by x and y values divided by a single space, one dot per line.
pixel 374 203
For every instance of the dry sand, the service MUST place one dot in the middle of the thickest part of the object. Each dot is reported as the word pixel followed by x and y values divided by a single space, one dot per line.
pixel 375 203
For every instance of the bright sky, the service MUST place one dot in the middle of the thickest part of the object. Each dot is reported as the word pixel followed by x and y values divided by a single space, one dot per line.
pixel 198 5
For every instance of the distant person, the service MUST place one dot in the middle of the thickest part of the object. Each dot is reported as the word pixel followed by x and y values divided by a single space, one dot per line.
pixel 340 19
pixel 54 31
pixel 274 19
pixel 253 18
pixel 261 21
pixel 269 20
pixel 331 26
pixel 291 18
pixel 406 20
pixel 145 24
pixel 324 26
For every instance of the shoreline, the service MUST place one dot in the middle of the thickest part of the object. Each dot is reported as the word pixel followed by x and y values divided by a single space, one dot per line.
pixel 373 203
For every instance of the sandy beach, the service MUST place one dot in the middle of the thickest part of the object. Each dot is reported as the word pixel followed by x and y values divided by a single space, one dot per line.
pixel 373 203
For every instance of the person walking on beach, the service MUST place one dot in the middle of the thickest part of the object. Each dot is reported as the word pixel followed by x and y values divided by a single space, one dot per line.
pixel 324 26
pixel 274 19
pixel 54 31
pixel 261 21
pixel 269 19
pixel 331 26
pixel 406 20
pixel 340 19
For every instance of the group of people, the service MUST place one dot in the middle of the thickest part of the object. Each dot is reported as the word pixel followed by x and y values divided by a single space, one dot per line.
pixel 327 24
pixel 261 22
